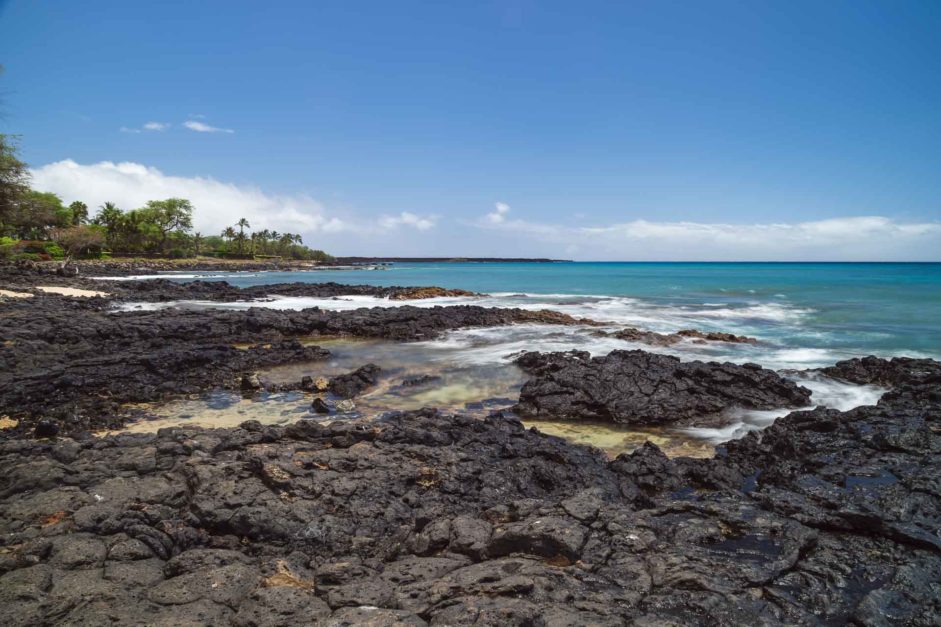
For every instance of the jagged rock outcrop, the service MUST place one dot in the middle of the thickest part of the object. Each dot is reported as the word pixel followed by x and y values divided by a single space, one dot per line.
pixel 886 372
pixel 636 387
pixel 416 293
pixel 632 334
pixel 353 383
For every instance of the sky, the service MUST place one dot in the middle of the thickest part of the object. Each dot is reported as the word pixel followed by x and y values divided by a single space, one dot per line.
pixel 583 130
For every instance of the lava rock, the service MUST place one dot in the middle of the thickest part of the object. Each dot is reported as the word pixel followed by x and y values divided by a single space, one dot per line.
pixel 636 387
pixel 886 372
pixel 46 429
pixel 423 517
pixel 421 379
pixel 652 338
pixel 348 385
pixel 251 382
pixel 65 357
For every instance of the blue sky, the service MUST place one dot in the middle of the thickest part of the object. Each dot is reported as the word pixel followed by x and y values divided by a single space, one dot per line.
pixel 629 130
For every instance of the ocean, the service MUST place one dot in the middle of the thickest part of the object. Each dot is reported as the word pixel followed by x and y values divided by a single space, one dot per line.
pixel 805 315
pixel 810 313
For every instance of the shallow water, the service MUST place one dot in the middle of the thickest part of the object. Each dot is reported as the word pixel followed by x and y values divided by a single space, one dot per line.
pixel 476 376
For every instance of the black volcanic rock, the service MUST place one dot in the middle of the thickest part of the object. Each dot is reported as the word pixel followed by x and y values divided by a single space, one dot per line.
pixel 636 387
pixel 886 372
pixel 352 383
pixel 424 518
pixel 77 361
pixel 419 380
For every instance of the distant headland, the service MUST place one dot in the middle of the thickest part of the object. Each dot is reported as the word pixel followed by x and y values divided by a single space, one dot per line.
pixel 351 260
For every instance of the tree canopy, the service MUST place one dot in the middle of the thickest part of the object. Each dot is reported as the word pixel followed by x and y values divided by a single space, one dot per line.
pixel 14 177
pixel 162 227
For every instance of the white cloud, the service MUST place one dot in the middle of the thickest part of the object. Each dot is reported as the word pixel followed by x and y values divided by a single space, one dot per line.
pixel 498 216
pixel 218 204
pixel 149 126
pixel 202 127
pixel 422 223
pixel 876 238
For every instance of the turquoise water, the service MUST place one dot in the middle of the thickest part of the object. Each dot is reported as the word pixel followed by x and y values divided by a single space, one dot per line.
pixel 804 316
pixel 849 308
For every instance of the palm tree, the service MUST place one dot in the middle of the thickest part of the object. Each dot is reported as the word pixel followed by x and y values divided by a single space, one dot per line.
pixel 197 242
pixel 243 224
pixel 110 217
pixel 229 234
pixel 240 241
pixel 265 237
pixel 284 241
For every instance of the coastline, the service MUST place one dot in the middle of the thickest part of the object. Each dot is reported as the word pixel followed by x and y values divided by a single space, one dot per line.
pixel 428 516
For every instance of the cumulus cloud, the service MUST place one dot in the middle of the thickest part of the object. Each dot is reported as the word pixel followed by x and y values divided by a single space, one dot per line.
pixel 498 215
pixel 202 127
pixel 218 204
pixel 863 238
pixel 422 223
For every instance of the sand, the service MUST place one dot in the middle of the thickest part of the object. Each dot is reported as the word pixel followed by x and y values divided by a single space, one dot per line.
pixel 9 294
pixel 69 291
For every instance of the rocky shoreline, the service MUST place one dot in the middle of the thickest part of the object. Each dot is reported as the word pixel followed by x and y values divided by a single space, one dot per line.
pixel 422 517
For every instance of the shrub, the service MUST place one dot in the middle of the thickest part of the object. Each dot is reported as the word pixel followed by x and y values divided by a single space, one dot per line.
pixel 54 250
pixel 29 257
pixel 7 245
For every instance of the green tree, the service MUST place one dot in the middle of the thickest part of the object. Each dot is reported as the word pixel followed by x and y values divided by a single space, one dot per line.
pixel 229 234
pixel 77 240
pixel 79 213
pixel 264 236
pixel 240 242
pixel 243 224
pixel 214 243
pixel 285 242
pixel 14 178
pixel 34 213
pixel 163 217
pixel 109 217
pixel 197 242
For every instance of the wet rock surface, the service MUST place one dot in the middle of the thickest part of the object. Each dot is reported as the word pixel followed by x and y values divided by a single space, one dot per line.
pixel 346 386
pixel 632 334
pixel 424 518
pixel 429 292
pixel 636 387
pixel 886 372
pixel 76 361
pixel 222 291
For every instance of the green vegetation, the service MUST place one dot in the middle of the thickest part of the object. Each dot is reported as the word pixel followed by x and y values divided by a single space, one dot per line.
pixel 38 225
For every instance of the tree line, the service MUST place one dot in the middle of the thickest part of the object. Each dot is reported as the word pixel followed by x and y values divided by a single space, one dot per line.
pixel 34 224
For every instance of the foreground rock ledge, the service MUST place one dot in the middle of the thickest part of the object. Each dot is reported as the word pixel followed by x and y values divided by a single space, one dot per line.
pixel 825 517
